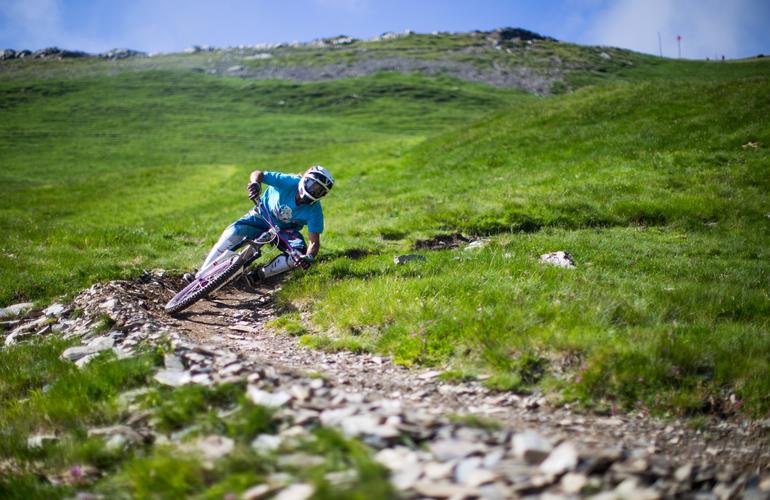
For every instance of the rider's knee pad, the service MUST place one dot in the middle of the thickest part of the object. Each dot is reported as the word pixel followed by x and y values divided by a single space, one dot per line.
pixel 278 265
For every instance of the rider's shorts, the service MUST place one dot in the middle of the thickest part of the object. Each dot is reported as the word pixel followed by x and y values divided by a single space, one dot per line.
pixel 252 225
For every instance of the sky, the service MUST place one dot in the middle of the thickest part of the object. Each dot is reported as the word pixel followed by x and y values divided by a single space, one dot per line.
pixel 709 28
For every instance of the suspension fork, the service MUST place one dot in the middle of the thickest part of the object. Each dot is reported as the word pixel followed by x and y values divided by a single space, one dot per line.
pixel 255 246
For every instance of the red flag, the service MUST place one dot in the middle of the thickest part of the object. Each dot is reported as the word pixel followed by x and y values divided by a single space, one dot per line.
pixel 678 38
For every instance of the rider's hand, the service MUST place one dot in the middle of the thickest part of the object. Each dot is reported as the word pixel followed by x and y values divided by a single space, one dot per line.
pixel 253 189
pixel 305 261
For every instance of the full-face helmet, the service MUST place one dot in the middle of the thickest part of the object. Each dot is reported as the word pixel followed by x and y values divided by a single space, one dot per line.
pixel 316 182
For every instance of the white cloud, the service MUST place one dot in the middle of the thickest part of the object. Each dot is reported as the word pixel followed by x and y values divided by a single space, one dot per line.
pixel 708 28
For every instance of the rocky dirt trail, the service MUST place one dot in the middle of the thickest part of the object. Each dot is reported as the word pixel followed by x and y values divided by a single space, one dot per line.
pixel 410 416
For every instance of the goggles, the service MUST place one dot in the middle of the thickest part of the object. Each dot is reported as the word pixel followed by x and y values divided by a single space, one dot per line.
pixel 314 188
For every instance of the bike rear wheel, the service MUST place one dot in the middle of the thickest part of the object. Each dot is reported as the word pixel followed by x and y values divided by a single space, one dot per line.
pixel 208 282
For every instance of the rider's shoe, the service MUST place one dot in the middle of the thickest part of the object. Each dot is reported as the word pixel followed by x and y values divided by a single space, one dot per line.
pixel 253 277
pixel 189 277
pixel 256 274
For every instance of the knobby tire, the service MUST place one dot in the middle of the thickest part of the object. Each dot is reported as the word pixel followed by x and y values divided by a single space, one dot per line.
pixel 210 287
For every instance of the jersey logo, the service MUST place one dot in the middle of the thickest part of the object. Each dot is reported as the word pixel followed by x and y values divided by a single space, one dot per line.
pixel 284 213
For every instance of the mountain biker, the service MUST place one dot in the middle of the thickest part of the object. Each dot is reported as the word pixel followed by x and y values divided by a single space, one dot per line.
pixel 291 202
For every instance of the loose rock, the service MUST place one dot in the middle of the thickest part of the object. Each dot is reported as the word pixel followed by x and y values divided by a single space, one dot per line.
pixel 562 459
pixel 531 447
pixel 173 363
pixel 300 491
pixel 478 477
pixel 174 378
pixel 15 309
pixel 40 440
pixel 558 259
pixel 381 403
pixel 257 492
pixel 450 449
pixel 403 259
pixel 212 447
pixel 55 310
pixel 475 245
pixel 572 483
pixel 443 490
pixel 95 346
pixel 264 398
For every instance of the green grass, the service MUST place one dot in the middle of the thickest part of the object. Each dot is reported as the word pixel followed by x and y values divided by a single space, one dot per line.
pixel 653 193
pixel 642 175
pixel 479 422
pixel 137 170
pixel 289 323
pixel 44 394
pixel 41 394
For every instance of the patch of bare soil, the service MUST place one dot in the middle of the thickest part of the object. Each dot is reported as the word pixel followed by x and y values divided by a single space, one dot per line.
pixel 536 80
pixel 442 242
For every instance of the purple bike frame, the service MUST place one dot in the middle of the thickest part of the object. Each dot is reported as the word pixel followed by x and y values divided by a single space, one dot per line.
pixel 259 204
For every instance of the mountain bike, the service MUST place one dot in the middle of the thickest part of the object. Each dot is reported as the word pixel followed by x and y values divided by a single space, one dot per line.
pixel 231 264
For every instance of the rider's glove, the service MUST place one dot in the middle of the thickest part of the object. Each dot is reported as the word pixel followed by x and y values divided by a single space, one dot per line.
pixel 253 188
pixel 305 261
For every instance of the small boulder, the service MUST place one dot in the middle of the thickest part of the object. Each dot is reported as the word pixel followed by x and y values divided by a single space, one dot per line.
pixel 40 440
pixel 573 483
pixel 55 310
pixel 117 437
pixel 476 244
pixel 530 447
pixel 173 378
pixel 435 489
pixel 301 491
pixel 264 398
pixel 559 259
pixel 439 470
pixel 97 345
pixel 172 362
pixel 257 492
pixel 209 449
pixel 397 458
pixel 266 442
pixel 360 425
pixel 684 473
pixel 15 309
pixel 115 54
pixel 479 477
pixel 403 259
pixel 450 449
pixel 466 467
pixel 300 460
pixel 405 478
pixel 562 459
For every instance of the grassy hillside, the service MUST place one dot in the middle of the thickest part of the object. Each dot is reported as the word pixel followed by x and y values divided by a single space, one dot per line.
pixel 642 175
pixel 651 191
pixel 106 176
pixel 541 66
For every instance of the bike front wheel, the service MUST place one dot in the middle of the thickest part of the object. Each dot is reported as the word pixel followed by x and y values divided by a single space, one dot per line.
pixel 208 282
